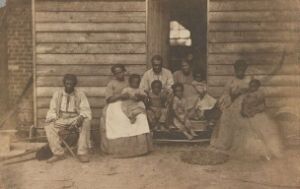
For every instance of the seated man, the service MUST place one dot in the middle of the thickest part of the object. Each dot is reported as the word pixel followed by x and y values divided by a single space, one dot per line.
pixel 69 109
pixel 157 73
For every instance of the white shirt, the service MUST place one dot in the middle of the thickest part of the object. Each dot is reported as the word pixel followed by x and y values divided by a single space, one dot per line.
pixel 165 76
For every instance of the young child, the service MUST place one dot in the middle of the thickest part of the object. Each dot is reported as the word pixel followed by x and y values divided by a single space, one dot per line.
pixel 156 106
pixel 254 100
pixel 180 117
pixel 261 125
pixel 205 103
pixel 134 105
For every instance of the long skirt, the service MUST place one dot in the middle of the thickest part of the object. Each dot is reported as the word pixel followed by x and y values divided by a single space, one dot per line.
pixel 246 138
pixel 125 146
pixel 231 119
pixel 259 137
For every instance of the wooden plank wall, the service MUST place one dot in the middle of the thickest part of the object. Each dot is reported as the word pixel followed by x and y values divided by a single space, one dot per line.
pixel 158 30
pixel 85 38
pixel 257 31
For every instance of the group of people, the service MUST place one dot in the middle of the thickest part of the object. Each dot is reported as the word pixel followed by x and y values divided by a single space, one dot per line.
pixel 160 100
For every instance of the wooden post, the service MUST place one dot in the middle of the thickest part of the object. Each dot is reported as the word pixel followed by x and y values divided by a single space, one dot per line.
pixel 158 29
pixel 34 63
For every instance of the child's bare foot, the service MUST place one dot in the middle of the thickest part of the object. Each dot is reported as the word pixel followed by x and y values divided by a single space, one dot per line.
pixel 190 137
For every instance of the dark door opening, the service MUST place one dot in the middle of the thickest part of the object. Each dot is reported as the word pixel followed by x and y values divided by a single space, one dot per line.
pixel 188 33
pixel 177 29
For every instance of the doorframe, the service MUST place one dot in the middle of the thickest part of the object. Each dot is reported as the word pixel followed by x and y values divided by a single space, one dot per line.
pixel 148 64
pixel 35 123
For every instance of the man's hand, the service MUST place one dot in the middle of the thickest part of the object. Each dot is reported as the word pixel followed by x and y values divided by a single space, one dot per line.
pixel 78 122
pixel 51 120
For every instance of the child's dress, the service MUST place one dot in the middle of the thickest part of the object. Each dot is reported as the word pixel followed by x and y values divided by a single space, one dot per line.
pixel 180 118
pixel 132 107
pixel 204 103
pixel 156 110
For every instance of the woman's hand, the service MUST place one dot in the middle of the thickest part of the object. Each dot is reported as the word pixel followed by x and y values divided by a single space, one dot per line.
pixel 139 97
pixel 117 97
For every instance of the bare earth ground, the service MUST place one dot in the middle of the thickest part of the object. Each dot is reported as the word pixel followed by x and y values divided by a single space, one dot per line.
pixel 162 169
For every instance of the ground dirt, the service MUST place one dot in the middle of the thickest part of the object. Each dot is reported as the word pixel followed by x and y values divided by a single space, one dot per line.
pixel 162 169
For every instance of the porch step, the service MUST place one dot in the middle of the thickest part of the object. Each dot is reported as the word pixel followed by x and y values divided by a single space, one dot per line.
pixel 175 136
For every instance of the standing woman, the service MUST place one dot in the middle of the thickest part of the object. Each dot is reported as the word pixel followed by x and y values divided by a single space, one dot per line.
pixel 225 134
pixel 119 137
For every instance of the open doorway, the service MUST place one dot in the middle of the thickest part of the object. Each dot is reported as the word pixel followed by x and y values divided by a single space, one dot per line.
pixel 177 29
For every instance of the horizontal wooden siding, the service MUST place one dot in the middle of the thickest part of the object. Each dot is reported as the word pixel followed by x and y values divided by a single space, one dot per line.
pixel 258 31
pixel 86 38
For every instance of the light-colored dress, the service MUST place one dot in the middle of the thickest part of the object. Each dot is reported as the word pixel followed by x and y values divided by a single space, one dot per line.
pixel 245 137
pixel 207 102
pixel 119 137
pixel 131 107
pixel 231 118
pixel 189 93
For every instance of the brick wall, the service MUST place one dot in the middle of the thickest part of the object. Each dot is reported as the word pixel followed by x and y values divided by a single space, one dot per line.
pixel 19 53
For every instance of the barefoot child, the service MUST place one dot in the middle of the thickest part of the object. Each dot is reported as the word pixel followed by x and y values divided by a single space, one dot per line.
pixel 205 105
pixel 180 113
pixel 156 106
pixel 134 105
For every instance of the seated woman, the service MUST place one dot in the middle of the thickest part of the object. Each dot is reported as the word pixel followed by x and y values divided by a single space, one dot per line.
pixel 119 137
pixel 244 131
pixel 185 76
pixel 223 137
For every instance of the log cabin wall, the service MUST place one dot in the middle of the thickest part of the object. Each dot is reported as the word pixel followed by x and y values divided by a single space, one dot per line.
pixel 86 38
pixel 258 31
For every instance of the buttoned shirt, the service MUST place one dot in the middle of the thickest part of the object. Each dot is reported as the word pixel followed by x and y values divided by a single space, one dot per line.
pixel 75 102
pixel 165 76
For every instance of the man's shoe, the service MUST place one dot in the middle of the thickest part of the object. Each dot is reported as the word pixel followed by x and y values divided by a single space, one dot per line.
pixel 55 158
pixel 84 158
